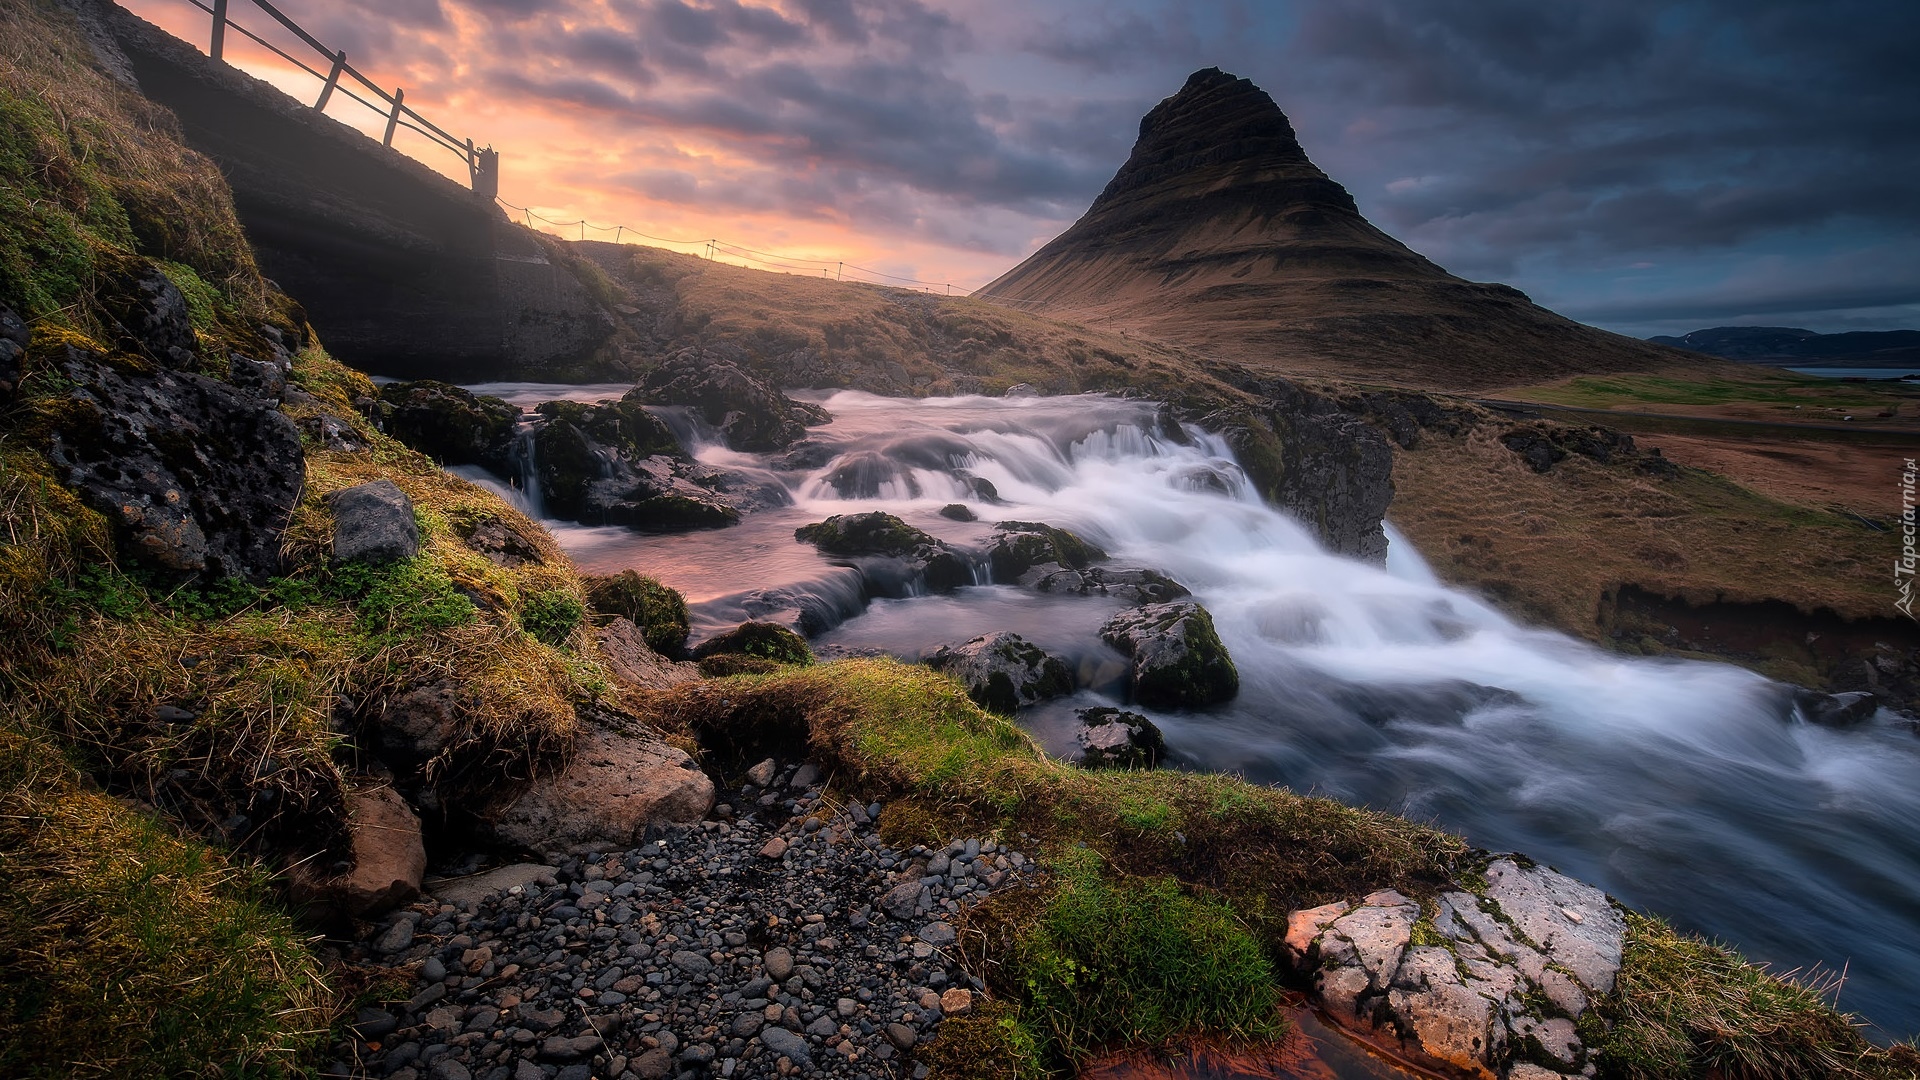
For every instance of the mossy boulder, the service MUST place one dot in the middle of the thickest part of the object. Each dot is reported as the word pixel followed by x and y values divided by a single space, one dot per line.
pixel 450 424
pixel 758 640
pixel 659 612
pixel 879 535
pixel 749 414
pixel 1115 739
pixel 1178 659
pixel 1004 671
pixel 1329 468
pixel 1022 545
pixel 618 464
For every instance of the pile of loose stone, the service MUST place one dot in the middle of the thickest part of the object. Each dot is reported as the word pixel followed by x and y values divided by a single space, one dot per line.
pixel 782 938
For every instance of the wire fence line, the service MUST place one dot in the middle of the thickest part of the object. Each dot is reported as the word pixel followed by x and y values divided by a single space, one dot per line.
pixel 484 164
pixel 838 269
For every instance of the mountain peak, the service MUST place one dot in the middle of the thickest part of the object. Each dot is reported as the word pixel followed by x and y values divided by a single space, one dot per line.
pixel 1219 233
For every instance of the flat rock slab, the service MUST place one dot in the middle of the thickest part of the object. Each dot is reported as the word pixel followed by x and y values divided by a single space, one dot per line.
pixel 1498 993
pixel 613 788
pixel 465 890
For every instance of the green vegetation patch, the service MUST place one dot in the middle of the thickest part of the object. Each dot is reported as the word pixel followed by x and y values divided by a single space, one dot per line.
pixel 1686 1008
pixel 128 950
pixel 659 612
pixel 1114 961
pixel 552 616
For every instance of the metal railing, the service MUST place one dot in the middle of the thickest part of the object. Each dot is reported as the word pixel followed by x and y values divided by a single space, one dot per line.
pixel 483 163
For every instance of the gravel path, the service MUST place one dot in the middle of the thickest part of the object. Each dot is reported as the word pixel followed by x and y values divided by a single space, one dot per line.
pixel 785 939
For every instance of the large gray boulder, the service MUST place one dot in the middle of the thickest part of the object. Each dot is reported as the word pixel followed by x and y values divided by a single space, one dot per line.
pixel 1004 671
pixel 448 423
pixel 889 553
pixel 618 464
pixel 196 476
pixel 614 786
pixel 373 523
pixel 1177 657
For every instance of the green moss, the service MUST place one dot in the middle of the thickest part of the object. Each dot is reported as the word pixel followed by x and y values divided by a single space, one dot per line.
pixel 1115 961
pixel 406 598
pixel 659 612
pixel 552 616
pixel 128 950
pixel 761 640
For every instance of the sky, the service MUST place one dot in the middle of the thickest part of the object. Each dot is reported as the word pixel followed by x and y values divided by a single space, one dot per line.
pixel 1648 167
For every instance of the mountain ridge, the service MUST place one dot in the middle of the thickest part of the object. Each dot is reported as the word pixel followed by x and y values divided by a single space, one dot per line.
pixel 1219 233
pixel 1782 345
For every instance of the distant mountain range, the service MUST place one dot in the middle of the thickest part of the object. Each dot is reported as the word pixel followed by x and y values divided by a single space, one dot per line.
pixel 1789 346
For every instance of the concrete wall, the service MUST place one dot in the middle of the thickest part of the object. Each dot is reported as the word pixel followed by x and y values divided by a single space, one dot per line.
pixel 401 270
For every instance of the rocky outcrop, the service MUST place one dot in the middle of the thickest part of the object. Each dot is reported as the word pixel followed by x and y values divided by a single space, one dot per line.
pixel 1115 739
pixel 618 464
pixel 1134 585
pixel 1004 671
pixel 373 523
pixel 613 787
pixel 1177 657
pixel 196 476
pixel 448 423
pixel 749 414
pixel 150 315
pixel 1835 710
pixel 891 555
pixel 1488 982
pixel 625 652
pixel 1329 468
pixel 1543 445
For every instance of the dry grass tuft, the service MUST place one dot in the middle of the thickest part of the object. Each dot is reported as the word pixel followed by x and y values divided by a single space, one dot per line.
pixel 127 950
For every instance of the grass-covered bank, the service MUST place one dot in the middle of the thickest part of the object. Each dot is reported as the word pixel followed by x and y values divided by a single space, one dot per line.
pixel 1170 890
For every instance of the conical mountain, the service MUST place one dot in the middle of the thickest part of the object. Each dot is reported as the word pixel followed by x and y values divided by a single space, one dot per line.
pixel 1220 234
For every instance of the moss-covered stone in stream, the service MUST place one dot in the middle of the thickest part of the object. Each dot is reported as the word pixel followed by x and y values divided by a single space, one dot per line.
pixel 1022 545
pixel 659 612
pixel 1178 657
pixel 760 640
pixel 874 533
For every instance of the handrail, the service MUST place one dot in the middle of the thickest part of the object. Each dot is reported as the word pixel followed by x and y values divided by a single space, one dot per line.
pixel 483 164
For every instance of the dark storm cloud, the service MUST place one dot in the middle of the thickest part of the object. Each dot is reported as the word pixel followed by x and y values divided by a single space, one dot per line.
pixel 1589 131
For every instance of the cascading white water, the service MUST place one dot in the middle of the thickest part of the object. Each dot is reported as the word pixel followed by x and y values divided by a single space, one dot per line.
pixel 1687 788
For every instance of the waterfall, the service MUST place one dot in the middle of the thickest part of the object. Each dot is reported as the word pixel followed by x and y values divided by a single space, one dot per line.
pixel 1690 788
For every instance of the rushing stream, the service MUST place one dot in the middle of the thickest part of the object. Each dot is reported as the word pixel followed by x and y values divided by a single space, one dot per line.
pixel 1690 789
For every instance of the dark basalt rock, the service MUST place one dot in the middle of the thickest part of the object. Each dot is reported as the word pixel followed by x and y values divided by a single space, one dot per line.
pixel 1329 468
pixel 196 476
pixel 957 512
pixel 450 424
pixel 151 315
pixel 1835 710
pixel 878 535
pixel 264 379
pixel 1115 739
pixel 1136 585
pixel 373 523
pixel 618 464
pixel 13 350
pixel 760 640
pixel 1022 545
pixel 750 415
pixel 1004 671
pixel 1543 445
pixel 1178 659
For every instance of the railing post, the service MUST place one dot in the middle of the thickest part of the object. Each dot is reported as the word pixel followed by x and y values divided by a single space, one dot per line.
pixel 486 173
pixel 219 28
pixel 333 80
pixel 393 121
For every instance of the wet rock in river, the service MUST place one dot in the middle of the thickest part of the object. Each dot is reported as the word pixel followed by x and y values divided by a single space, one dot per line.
pixel 1177 657
pixel 1004 671
pixel 1115 739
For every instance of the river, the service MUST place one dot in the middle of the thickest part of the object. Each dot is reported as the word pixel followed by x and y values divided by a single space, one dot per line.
pixel 1689 789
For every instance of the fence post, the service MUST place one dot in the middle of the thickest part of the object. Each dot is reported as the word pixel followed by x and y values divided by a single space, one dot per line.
pixel 393 121
pixel 333 80
pixel 486 173
pixel 219 28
